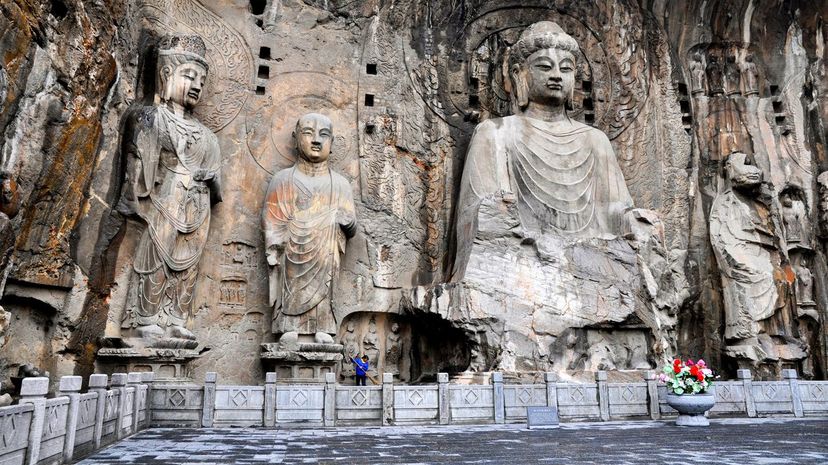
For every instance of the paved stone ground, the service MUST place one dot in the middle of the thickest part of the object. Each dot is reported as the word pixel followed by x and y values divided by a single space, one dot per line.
pixel 726 441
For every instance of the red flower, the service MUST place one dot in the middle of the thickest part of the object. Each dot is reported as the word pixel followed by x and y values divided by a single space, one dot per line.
pixel 676 366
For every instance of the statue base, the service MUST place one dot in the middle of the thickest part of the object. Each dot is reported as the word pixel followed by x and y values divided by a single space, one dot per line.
pixel 302 362
pixel 169 365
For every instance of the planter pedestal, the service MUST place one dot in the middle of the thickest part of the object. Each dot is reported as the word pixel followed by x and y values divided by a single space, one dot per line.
pixel 691 408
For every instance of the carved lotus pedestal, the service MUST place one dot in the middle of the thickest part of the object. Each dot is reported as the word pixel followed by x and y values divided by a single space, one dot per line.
pixel 169 365
pixel 301 362
pixel 691 408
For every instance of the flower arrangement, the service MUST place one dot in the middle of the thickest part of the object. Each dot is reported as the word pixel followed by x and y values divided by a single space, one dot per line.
pixel 687 377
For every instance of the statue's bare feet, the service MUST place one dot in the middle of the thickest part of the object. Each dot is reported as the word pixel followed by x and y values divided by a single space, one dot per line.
pixel 290 339
pixel 150 333
pixel 324 338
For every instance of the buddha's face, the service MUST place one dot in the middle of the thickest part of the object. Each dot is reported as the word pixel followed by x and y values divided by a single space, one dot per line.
pixel 741 173
pixel 314 135
pixel 550 76
pixel 184 83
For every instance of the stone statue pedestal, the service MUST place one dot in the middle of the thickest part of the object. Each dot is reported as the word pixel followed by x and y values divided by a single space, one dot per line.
pixel 301 362
pixel 169 365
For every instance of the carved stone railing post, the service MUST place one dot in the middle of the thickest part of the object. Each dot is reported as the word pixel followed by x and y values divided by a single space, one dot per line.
pixel 33 391
pixel 652 394
pixel 208 409
pixel 443 397
pixel 147 378
pixel 387 399
pixel 270 400
pixel 551 379
pixel 329 406
pixel 750 404
pixel 499 401
pixel 134 380
pixel 603 394
pixel 97 384
pixel 118 382
pixel 796 396
pixel 70 387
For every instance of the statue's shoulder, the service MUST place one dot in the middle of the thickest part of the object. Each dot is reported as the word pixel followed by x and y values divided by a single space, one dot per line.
pixel 340 181
pixel 280 177
pixel 142 116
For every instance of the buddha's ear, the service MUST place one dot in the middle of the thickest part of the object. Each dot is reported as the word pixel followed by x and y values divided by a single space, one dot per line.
pixel 520 88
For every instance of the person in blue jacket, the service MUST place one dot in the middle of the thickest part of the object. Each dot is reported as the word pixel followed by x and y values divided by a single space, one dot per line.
pixel 362 367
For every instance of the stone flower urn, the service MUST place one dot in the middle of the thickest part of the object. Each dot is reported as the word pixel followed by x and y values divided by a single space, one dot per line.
pixel 691 407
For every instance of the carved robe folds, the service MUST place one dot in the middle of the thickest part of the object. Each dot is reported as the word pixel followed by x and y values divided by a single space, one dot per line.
pixel 168 151
pixel 306 218
pixel 566 181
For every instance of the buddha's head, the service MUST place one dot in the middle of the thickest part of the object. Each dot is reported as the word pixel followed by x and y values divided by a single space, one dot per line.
pixel 182 70
pixel 542 66
pixel 740 172
pixel 313 136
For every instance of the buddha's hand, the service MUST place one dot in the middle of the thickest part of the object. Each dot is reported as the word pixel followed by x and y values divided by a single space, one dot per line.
pixel 273 255
pixel 204 175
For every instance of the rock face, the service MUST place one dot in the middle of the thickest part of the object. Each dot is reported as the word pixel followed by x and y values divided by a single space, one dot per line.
pixel 676 87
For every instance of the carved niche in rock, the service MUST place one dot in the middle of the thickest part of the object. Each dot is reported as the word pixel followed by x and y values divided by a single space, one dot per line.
pixel 795 218
pixel 743 244
pixel 308 217
pixel 822 195
pixel 542 209
pixel 172 180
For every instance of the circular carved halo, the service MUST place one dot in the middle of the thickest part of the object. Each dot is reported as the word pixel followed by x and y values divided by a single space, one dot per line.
pixel 605 95
pixel 271 121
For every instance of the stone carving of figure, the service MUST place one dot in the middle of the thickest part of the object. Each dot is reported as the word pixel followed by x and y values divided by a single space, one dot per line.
pixel 697 74
pixel 732 77
pixel 350 344
pixel 172 180
pixel 742 245
pixel 822 193
pixel 393 350
pixel 9 206
pixel 794 220
pixel 750 76
pixel 562 174
pixel 804 284
pixel 714 75
pixel 308 217
pixel 370 344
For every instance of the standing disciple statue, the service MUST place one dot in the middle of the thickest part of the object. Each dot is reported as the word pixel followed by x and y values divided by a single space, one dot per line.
pixel 743 244
pixel 308 217
pixel 562 174
pixel 172 181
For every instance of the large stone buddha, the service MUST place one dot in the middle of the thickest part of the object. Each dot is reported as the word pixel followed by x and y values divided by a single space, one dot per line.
pixel 561 173
pixel 551 254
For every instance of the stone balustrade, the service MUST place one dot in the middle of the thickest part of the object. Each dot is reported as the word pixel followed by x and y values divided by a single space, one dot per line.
pixel 41 430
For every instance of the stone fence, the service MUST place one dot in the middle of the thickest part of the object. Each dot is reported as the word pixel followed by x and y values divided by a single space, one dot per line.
pixel 60 429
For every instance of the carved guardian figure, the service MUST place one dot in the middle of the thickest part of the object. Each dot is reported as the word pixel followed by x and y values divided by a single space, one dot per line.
pixel 172 180
pixel 742 245
pixel 308 217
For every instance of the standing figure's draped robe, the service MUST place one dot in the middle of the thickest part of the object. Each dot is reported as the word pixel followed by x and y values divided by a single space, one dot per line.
pixel 308 219
pixel 169 150
pixel 564 176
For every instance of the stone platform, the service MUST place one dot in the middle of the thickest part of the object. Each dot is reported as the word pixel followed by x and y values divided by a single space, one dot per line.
pixel 726 441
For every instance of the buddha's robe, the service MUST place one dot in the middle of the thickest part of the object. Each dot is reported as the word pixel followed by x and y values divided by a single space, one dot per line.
pixel 563 176
pixel 743 252
pixel 168 150
pixel 308 219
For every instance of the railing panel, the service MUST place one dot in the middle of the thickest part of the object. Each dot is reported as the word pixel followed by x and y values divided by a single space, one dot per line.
pixel 111 410
pixel 416 404
pixel 471 403
pixel 54 429
pixel 84 437
pixel 519 396
pixel 358 405
pixel 814 396
pixel 772 397
pixel 15 421
pixel 627 400
pixel 239 405
pixel 730 397
pixel 578 401
pixel 299 403
pixel 176 404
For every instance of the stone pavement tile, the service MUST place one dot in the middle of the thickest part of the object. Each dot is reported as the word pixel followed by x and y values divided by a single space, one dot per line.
pixel 761 441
